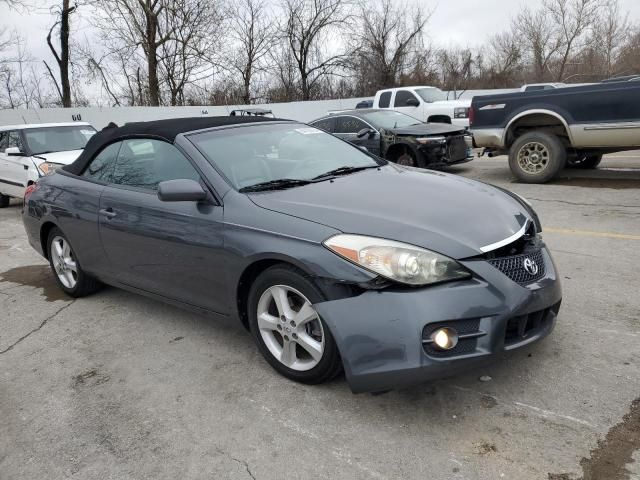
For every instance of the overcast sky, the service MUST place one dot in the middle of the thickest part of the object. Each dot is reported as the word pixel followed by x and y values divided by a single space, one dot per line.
pixel 454 22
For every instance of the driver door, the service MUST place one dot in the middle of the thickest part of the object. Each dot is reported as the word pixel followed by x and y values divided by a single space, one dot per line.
pixel 172 249
pixel 347 128
pixel 400 104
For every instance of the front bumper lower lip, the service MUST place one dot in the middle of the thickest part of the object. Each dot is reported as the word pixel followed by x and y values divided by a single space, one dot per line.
pixel 379 333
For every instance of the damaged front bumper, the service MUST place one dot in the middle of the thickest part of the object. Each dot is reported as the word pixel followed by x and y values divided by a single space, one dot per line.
pixel 452 150
pixel 380 333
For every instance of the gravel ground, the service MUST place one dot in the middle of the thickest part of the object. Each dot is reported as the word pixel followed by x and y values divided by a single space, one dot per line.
pixel 116 386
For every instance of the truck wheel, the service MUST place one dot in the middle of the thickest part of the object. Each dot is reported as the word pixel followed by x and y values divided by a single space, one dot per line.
pixel 585 162
pixel 4 200
pixel 537 157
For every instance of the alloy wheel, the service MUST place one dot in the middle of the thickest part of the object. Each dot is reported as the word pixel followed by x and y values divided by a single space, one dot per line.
pixel 533 157
pixel 290 327
pixel 64 262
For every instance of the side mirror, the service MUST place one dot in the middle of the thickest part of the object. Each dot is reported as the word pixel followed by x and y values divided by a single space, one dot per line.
pixel 364 132
pixel 14 152
pixel 182 190
pixel 412 102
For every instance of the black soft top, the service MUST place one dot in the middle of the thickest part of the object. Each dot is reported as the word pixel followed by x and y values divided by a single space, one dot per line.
pixel 166 130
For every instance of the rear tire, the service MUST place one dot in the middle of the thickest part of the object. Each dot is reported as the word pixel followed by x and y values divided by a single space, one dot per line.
pixel 66 267
pixel 4 201
pixel 537 157
pixel 585 162
pixel 299 347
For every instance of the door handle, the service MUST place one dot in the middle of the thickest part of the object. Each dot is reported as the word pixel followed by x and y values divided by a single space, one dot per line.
pixel 108 212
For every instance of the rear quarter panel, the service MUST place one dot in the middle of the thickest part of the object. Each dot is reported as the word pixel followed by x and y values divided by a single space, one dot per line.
pixel 71 204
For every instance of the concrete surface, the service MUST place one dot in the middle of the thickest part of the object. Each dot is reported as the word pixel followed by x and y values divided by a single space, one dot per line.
pixel 116 386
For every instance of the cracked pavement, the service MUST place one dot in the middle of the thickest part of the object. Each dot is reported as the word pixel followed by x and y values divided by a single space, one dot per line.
pixel 117 386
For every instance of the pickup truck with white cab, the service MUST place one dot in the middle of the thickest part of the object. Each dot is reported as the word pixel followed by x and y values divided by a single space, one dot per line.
pixel 427 104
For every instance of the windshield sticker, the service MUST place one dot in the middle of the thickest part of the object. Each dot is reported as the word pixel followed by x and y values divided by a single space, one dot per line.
pixel 308 131
pixel 87 132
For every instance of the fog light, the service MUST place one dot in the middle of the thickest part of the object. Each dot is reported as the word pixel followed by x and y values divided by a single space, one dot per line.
pixel 445 338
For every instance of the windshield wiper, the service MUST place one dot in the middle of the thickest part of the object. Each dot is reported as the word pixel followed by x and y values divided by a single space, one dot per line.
pixel 278 184
pixel 342 171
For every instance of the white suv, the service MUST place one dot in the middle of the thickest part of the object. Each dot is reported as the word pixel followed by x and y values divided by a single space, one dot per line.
pixel 30 151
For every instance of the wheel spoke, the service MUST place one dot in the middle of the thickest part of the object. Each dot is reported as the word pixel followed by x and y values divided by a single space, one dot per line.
pixel 57 246
pixel 65 248
pixel 288 355
pixel 311 346
pixel 305 314
pixel 70 280
pixel 267 322
pixel 282 301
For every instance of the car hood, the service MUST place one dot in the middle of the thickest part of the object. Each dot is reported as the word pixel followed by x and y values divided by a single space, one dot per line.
pixel 63 158
pixel 426 129
pixel 444 213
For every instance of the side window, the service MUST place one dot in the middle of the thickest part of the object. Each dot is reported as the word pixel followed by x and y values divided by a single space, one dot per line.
pixel 385 100
pixel 144 163
pixel 401 98
pixel 101 167
pixel 15 140
pixel 325 124
pixel 4 141
pixel 349 125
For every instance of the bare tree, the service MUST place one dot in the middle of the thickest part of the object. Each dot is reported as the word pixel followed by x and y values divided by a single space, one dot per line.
pixel 307 26
pixel 62 59
pixel 252 29
pixel 136 23
pixel 504 57
pixel 196 29
pixel 608 36
pixel 540 38
pixel 572 19
pixel 388 40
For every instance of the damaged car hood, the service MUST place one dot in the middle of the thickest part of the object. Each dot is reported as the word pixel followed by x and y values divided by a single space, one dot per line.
pixel 426 129
pixel 444 213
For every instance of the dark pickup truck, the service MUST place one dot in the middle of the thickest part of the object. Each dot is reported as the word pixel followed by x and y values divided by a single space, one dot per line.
pixel 544 131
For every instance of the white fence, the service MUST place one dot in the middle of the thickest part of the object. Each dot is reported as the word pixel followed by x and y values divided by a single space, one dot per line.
pixel 99 117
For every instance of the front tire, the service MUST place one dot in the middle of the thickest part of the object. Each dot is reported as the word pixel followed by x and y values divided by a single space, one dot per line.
pixel 537 157
pixel 4 200
pixel 66 268
pixel 289 333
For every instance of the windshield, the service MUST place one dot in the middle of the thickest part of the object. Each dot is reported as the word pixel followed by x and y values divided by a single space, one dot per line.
pixel 257 154
pixel 389 119
pixel 431 94
pixel 58 139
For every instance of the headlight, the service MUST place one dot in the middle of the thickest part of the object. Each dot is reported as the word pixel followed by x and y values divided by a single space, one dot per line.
pixel 47 168
pixel 431 140
pixel 396 261
pixel 461 112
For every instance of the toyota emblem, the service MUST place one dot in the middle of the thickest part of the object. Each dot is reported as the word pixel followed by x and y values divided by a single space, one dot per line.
pixel 530 266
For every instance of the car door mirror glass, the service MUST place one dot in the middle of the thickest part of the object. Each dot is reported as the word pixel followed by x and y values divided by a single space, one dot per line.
pixel 181 190
pixel 412 102
pixel 13 152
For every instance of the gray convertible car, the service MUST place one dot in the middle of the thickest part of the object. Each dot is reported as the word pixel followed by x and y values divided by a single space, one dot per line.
pixel 334 259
